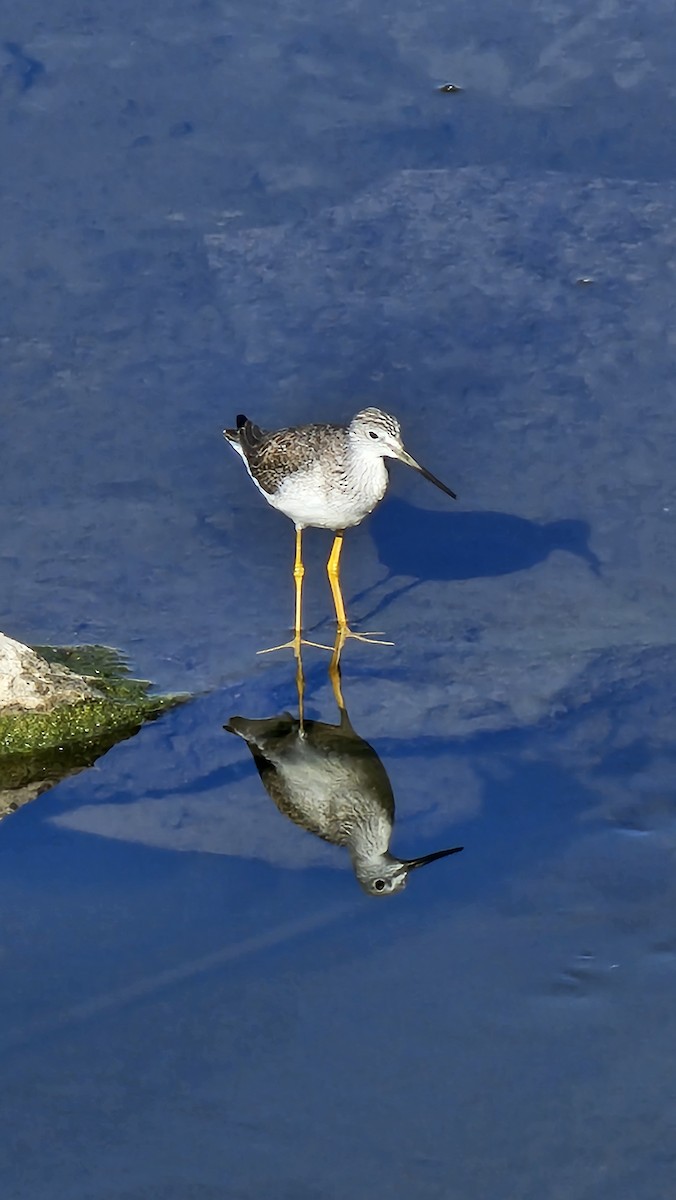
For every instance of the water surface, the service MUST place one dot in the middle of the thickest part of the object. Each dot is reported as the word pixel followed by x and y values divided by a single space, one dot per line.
pixel 222 208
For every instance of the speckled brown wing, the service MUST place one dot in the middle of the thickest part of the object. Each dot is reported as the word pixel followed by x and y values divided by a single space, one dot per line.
pixel 274 456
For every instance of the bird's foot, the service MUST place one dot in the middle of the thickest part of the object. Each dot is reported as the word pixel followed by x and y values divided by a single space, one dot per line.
pixel 295 645
pixel 373 637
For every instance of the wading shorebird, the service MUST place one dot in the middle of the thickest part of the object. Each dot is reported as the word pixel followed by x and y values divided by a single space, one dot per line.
pixel 331 782
pixel 328 477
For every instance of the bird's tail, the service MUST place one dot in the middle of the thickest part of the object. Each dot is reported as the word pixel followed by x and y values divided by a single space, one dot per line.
pixel 263 733
pixel 232 435
pixel 246 437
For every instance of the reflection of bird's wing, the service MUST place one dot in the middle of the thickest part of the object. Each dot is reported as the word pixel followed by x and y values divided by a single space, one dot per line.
pixel 367 773
pixel 358 786
pixel 327 781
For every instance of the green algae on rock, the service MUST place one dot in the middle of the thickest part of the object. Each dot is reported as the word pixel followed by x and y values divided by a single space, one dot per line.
pixel 38 748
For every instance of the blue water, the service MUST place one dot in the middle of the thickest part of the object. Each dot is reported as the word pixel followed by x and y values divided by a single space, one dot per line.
pixel 219 208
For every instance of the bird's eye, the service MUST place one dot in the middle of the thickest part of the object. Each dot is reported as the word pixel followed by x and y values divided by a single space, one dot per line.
pixel 379 885
pixel 372 434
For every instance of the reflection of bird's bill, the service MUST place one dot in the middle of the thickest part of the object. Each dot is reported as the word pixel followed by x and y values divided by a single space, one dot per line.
pixel 429 858
pixel 404 457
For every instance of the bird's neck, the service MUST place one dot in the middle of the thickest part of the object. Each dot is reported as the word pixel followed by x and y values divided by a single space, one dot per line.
pixel 369 838
pixel 367 468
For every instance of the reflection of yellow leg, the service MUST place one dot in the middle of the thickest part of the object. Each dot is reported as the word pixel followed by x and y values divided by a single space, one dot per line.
pixel 300 687
pixel 298 573
pixel 333 572
pixel 334 669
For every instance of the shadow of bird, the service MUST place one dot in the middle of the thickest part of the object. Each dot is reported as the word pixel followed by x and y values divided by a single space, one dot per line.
pixel 467 545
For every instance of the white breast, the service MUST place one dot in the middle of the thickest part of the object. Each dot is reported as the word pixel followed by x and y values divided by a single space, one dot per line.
pixel 332 500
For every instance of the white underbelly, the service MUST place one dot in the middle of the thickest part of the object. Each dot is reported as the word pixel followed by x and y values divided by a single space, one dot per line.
pixel 308 499
pixel 311 498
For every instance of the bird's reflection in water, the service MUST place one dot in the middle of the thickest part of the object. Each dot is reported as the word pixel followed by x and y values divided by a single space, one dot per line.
pixel 331 782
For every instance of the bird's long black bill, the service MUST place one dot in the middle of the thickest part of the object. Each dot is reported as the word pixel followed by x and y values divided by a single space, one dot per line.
pixel 410 462
pixel 429 858
pixel 437 483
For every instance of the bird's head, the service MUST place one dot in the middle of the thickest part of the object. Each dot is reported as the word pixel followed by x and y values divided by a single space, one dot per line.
pixel 376 432
pixel 388 874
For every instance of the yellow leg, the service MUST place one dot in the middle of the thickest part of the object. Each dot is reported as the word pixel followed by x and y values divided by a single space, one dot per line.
pixel 333 572
pixel 298 573
pixel 298 576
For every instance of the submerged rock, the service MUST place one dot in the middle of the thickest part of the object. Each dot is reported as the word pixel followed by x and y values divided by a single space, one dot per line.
pixel 61 708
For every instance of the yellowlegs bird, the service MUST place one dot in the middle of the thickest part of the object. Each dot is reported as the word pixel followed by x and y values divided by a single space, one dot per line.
pixel 331 782
pixel 325 476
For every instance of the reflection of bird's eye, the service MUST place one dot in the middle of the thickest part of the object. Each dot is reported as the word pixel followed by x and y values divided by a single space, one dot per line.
pixel 372 434
pixel 379 883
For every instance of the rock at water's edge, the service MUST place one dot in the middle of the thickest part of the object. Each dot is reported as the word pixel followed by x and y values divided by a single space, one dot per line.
pixel 28 683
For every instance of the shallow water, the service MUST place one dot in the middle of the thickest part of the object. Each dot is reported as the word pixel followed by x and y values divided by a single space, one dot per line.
pixel 224 209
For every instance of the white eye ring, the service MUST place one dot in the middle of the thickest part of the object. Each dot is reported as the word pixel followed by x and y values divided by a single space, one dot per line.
pixel 372 434
pixel 379 885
